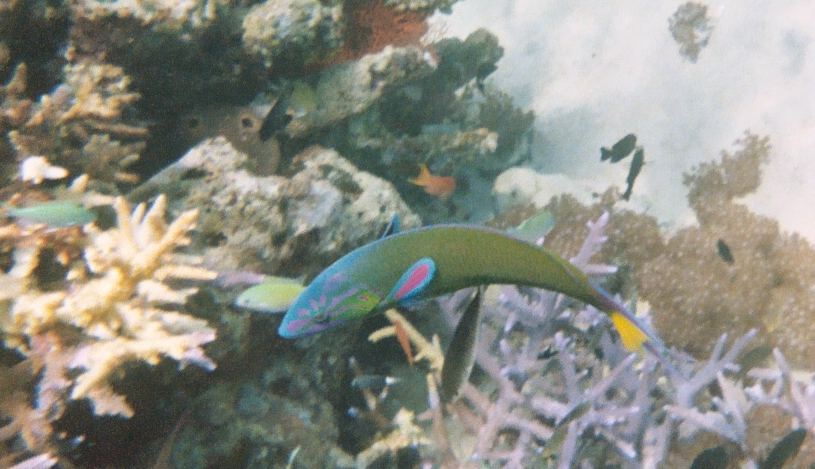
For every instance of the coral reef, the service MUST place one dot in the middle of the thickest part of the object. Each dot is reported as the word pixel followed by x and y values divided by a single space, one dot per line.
pixel 554 383
pixel 79 126
pixel 307 29
pixel 167 13
pixel 268 427
pixel 293 225
pixel 112 309
pixel 80 303
pixel 763 288
pixel 81 308
pixel 351 88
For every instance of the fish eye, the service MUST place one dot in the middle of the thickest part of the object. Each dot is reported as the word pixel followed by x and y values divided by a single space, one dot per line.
pixel 321 317
pixel 247 123
pixel 193 122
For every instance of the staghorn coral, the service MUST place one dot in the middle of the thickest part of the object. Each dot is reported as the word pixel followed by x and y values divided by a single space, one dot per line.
pixel 113 308
pixel 80 125
pixel 572 392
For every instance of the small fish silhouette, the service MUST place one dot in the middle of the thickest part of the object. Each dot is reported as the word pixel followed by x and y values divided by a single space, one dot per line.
pixel 620 149
pixel 634 171
pixel 724 251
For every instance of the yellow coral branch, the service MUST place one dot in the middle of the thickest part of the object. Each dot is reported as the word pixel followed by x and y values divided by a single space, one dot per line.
pixel 430 351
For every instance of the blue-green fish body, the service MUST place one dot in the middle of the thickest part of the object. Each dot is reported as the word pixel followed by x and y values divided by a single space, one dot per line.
pixel 534 228
pixel 57 214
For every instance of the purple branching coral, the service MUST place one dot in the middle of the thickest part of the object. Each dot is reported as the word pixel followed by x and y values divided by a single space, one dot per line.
pixel 544 376
pixel 559 384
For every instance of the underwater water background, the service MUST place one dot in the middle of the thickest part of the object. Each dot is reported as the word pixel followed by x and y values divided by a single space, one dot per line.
pixel 594 71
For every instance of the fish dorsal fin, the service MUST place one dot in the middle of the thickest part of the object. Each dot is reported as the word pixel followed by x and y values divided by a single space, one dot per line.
pixel 413 281
pixel 393 226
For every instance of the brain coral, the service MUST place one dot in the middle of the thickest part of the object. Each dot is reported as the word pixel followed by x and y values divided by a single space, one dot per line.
pixel 768 284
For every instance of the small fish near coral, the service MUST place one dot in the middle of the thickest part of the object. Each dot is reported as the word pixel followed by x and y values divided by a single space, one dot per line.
pixel 440 186
pixel 534 229
pixel 240 125
pixel 54 214
pixel 636 166
pixel 459 361
pixel 271 295
pixel 436 260
pixel 724 251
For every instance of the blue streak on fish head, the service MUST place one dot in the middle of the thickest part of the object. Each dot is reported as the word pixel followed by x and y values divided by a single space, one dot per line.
pixel 331 300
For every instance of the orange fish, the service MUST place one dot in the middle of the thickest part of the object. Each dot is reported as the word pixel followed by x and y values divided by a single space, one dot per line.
pixel 440 186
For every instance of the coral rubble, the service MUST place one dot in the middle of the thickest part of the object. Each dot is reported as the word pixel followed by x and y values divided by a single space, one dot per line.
pixel 304 28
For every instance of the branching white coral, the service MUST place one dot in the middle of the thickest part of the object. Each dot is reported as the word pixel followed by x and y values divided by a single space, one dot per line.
pixel 37 168
pixel 116 301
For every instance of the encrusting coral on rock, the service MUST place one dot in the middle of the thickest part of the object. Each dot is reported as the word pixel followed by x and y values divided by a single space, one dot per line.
pixel 269 223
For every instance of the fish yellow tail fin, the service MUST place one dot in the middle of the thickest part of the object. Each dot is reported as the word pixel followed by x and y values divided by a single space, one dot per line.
pixel 632 335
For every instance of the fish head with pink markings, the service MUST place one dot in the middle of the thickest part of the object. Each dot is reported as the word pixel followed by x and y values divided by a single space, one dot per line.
pixel 331 300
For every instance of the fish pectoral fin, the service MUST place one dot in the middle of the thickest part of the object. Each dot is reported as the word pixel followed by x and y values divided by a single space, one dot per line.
pixel 413 281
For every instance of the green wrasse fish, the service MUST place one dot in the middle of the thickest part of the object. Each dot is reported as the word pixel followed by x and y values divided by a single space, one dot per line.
pixel 436 260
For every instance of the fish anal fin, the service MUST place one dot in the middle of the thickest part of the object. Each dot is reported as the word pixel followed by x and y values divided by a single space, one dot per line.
pixel 414 280
pixel 460 356
pixel 632 335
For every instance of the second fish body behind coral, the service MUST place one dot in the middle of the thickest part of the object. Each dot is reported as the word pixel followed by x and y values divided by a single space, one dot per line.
pixel 535 228
pixel 272 295
pixel 440 186
pixel 241 126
